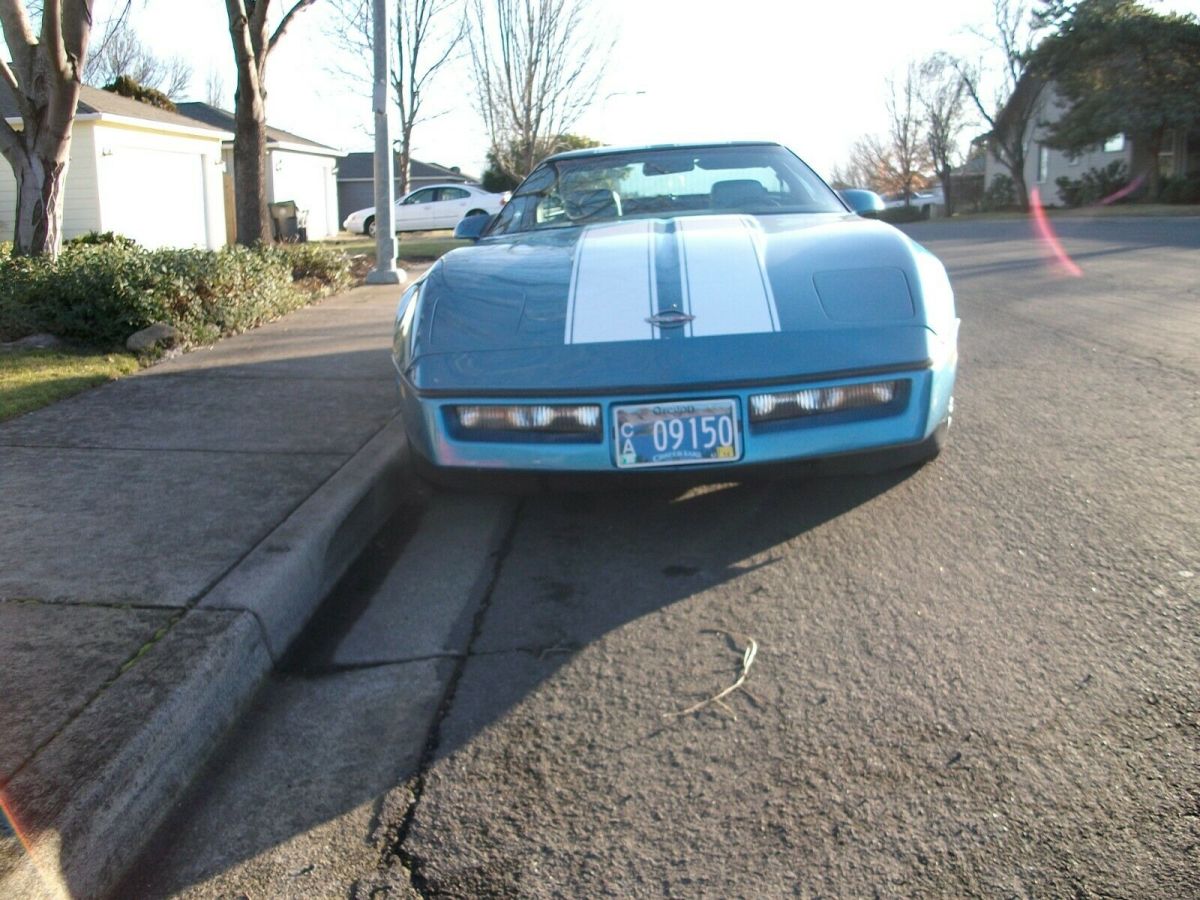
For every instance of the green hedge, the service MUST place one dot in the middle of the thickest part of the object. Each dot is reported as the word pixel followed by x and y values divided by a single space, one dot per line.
pixel 102 288
pixel 1093 185
pixel 899 215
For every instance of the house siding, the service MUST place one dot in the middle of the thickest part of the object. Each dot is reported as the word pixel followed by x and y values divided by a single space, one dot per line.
pixel 1059 165
pixel 306 179
pixel 81 203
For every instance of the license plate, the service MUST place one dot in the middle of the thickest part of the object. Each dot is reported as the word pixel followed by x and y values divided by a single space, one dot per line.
pixel 679 433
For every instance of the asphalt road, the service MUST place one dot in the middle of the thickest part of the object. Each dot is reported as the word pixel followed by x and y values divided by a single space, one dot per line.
pixel 979 678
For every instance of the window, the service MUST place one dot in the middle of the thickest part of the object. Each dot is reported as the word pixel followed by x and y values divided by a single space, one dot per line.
pixel 425 195
pixel 450 193
pixel 729 180
pixel 1043 164
pixel 1166 155
pixel 1115 144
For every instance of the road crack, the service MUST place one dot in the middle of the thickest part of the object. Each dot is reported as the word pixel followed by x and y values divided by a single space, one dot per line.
pixel 416 784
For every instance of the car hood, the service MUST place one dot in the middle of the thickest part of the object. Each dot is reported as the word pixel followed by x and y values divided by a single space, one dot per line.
pixel 675 300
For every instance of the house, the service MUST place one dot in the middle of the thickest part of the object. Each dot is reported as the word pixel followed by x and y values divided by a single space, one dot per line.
pixel 356 180
pixel 135 169
pixel 1044 165
pixel 298 169
pixel 966 183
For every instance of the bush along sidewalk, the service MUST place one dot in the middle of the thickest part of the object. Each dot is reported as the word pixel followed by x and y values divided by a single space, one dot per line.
pixel 103 288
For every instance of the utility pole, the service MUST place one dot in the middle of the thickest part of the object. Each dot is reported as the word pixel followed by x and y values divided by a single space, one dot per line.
pixel 385 271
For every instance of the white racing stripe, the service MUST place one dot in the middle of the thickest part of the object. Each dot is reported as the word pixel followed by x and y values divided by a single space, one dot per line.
pixel 724 276
pixel 613 289
pixel 721 266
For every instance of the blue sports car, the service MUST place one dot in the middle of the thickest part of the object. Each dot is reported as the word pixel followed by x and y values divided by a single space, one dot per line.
pixel 709 309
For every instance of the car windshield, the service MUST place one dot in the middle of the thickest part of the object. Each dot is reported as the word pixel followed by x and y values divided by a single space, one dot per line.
pixel 757 179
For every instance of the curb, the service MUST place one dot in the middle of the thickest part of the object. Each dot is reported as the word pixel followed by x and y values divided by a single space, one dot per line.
pixel 95 795
pixel 285 578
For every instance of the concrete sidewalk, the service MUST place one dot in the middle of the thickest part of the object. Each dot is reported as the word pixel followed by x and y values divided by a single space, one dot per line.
pixel 162 540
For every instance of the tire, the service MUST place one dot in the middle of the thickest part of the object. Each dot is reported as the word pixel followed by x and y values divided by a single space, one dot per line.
pixel 369 227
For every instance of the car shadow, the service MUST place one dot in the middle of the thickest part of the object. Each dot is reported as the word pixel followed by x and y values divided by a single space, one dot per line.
pixel 543 607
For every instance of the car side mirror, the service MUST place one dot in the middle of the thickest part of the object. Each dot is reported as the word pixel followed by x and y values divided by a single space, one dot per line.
pixel 471 228
pixel 862 204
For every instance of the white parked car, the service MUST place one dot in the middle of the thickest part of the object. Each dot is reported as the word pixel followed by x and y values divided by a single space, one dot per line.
pixel 431 207
pixel 922 201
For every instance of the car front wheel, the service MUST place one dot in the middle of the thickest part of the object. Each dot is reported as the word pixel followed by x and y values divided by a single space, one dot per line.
pixel 369 227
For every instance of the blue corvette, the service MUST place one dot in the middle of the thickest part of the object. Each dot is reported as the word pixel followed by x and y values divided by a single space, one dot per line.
pixel 710 309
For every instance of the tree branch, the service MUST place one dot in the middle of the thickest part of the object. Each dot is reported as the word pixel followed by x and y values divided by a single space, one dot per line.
pixel 10 79
pixel 52 35
pixel 11 144
pixel 18 36
pixel 297 8
pixel 77 32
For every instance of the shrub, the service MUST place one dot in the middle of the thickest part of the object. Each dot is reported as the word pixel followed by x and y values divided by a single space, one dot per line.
pixel 326 265
pixel 103 288
pixel 99 293
pixel 1093 185
pixel 1000 194
pixel 100 237
pixel 22 311
pixel 898 215
pixel 1179 189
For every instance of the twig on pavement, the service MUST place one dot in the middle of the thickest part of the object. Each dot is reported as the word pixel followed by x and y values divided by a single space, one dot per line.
pixel 748 655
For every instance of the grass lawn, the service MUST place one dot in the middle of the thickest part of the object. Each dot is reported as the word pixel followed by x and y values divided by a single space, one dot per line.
pixel 414 247
pixel 30 379
pixel 1093 212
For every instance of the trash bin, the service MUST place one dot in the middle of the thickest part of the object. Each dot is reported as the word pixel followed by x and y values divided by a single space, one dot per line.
pixel 285 221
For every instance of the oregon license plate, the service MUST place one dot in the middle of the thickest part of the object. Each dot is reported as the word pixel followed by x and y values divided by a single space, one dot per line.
pixel 679 433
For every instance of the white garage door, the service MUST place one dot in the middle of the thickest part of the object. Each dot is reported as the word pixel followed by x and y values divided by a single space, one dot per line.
pixel 155 197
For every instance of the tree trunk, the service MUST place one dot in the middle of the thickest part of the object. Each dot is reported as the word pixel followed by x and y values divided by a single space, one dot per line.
pixel 947 197
pixel 1018 177
pixel 37 224
pixel 1154 142
pixel 405 161
pixel 250 170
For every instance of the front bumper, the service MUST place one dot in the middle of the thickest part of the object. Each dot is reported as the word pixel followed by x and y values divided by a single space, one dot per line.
pixel 765 446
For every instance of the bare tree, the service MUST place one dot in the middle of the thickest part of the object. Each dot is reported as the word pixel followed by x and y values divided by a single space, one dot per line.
pixel 868 165
pixel 253 41
pixel 119 52
pixel 43 79
pixel 428 34
pixel 537 67
pixel 907 149
pixel 873 162
pixel 1012 109
pixel 943 97
pixel 214 89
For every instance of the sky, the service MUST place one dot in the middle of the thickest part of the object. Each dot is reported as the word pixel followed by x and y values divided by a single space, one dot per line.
pixel 811 75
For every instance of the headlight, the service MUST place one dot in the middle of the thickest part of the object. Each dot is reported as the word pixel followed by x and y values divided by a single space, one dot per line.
pixel 532 418
pixel 814 401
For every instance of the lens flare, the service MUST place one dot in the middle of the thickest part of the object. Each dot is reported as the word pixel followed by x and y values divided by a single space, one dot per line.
pixel 1041 225
pixel 52 883
pixel 1123 192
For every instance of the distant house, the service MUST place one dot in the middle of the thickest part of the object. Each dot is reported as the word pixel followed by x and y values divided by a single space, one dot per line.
pixel 1044 165
pixel 298 169
pixel 135 169
pixel 966 183
pixel 356 180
